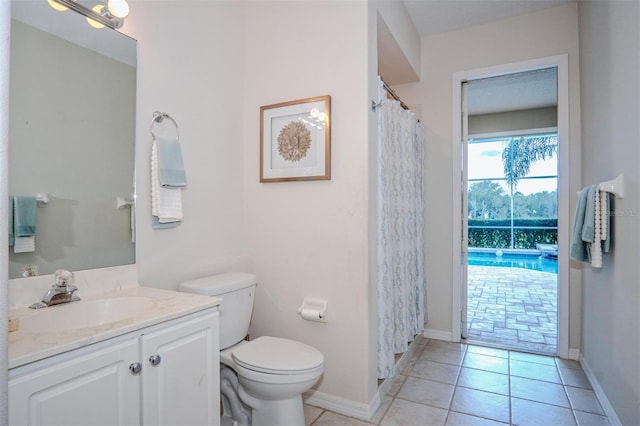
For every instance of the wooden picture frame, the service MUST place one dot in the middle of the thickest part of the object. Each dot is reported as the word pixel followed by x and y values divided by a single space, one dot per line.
pixel 295 140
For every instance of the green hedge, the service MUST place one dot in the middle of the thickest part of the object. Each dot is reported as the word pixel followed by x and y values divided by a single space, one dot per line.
pixel 501 238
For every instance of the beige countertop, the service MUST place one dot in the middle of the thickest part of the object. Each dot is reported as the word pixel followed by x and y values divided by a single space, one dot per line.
pixel 26 346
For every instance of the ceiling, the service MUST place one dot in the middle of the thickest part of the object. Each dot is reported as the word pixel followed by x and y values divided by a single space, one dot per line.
pixel 512 92
pixel 437 16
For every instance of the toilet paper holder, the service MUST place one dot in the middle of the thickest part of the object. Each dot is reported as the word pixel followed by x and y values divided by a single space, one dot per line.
pixel 313 309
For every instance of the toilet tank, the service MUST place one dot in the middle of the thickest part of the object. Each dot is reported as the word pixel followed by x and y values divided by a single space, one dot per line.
pixel 237 291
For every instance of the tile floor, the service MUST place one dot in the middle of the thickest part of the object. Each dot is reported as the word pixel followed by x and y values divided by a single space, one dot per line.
pixel 513 307
pixel 457 384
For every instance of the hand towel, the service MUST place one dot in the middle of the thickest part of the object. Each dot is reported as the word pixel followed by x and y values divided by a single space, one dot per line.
pixel 166 203
pixel 24 224
pixel 596 245
pixel 12 235
pixel 578 249
pixel 588 228
pixel 24 211
pixel 171 171
pixel 605 221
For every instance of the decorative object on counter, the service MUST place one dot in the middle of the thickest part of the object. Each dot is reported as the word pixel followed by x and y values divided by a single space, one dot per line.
pixel 295 140
pixel 110 15
pixel 30 271
pixel 168 176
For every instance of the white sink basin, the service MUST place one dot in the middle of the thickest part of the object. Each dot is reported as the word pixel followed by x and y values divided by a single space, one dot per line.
pixel 83 314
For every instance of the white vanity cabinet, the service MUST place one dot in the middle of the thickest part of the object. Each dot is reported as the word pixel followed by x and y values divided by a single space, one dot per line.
pixel 177 382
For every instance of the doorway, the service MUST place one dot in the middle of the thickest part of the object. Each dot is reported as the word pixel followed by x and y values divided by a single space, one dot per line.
pixel 485 262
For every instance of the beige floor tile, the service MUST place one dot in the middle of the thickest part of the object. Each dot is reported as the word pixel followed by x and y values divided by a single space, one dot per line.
pixel 311 413
pixel 484 380
pixel 590 419
pixel 535 371
pixel 584 400
pixel 462 347
pixel 396 384
pixel 486 363
pixel 329 418
pixel 427 392
pixel 530 413
pixel 443 355
pixel 407 413
pixel 538 359
pixel 482 350
pixel 382 409
pixel 459 419
pixel 568 363
pixel 481 404
pixel 436 371
pixel 536 390
pixel 576 378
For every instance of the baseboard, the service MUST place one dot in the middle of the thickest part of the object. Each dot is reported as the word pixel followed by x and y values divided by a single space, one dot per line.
pixel 343 406
pixel 597 389
pixel 437 335
pixel 574 354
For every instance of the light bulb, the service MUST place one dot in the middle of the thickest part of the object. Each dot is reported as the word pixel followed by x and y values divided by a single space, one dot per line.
pixel 95 24
pixel 118 8
pixel 57 6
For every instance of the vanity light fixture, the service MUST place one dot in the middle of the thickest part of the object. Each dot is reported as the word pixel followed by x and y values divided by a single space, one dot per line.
pixel 110 15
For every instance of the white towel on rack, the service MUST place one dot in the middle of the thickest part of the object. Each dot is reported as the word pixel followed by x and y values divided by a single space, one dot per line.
pixel 596 246
pixel 166 203
pixel 24 244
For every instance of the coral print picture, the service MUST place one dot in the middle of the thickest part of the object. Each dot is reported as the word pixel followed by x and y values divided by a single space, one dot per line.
pixel 295 140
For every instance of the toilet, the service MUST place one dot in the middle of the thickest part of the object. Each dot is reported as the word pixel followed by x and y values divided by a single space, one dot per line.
pixel 261 380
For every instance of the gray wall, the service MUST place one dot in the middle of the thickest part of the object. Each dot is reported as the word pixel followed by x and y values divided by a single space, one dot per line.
pixel 609 65
pixel 71 133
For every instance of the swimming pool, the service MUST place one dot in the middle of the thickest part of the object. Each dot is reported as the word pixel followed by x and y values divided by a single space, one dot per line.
pixel 534 262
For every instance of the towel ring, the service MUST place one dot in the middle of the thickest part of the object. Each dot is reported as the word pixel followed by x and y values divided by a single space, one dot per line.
pixel 158 117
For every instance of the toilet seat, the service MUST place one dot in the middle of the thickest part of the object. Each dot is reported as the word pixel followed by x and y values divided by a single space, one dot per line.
pixel 274 355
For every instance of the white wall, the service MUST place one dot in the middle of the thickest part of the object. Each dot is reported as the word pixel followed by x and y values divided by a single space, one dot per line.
pixel 610 65
pixel 5 27
pixel 310 238
pixel 190 66
pixel 547 33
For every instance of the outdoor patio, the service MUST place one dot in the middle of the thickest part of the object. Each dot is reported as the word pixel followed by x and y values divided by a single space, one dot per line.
pixel 513 307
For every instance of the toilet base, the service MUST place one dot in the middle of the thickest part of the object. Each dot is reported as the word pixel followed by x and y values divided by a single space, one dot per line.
pixel 288 412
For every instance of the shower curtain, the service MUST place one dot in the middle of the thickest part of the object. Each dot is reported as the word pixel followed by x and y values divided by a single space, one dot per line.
pixel 401 269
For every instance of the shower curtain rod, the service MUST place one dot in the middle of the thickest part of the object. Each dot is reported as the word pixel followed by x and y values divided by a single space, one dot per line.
pixel 391 93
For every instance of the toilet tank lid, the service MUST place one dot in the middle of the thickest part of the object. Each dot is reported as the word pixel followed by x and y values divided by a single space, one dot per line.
pixel 214 285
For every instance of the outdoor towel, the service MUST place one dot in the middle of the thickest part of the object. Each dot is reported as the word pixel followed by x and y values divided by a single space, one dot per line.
pixel 12 234
pixel 578 249
pixel 166 203
pixel 170 166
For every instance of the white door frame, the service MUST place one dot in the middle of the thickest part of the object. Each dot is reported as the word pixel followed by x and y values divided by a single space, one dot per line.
pixel 562 64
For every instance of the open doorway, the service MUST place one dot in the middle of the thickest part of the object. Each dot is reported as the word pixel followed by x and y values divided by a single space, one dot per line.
pixel 509 210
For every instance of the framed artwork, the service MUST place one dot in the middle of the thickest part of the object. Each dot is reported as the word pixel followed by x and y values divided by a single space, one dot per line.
pixel 295 140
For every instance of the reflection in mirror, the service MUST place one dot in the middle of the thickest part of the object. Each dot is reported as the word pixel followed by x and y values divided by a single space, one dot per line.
pixel 71 136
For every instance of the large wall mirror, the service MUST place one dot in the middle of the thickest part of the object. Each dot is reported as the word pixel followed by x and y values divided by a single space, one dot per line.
pixel 71 136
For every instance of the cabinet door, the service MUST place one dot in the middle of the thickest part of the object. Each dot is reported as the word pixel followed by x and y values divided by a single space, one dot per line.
pixel 183 387
pixel 91 389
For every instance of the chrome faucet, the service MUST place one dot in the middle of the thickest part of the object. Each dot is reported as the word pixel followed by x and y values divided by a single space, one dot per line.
pixel 60 292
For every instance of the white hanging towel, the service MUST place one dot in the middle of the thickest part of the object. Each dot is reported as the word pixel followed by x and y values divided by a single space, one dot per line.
pixel 166 203
pixel 596 246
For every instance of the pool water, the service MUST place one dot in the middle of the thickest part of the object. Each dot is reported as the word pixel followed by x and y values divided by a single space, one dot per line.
pixel 533 262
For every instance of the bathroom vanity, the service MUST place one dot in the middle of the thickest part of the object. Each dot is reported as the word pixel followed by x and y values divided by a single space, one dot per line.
pixel 130 356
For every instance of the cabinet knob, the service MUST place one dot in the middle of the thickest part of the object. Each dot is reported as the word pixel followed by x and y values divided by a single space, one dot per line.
pixel 135 368
pixel 155 360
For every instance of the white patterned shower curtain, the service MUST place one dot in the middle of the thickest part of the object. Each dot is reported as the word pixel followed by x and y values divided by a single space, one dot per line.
pixel 401 270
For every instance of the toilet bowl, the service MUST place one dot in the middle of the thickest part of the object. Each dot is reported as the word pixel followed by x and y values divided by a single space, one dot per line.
pixel 272 372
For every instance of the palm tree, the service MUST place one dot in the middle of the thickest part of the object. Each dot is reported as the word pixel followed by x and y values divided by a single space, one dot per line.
pixel 518 154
